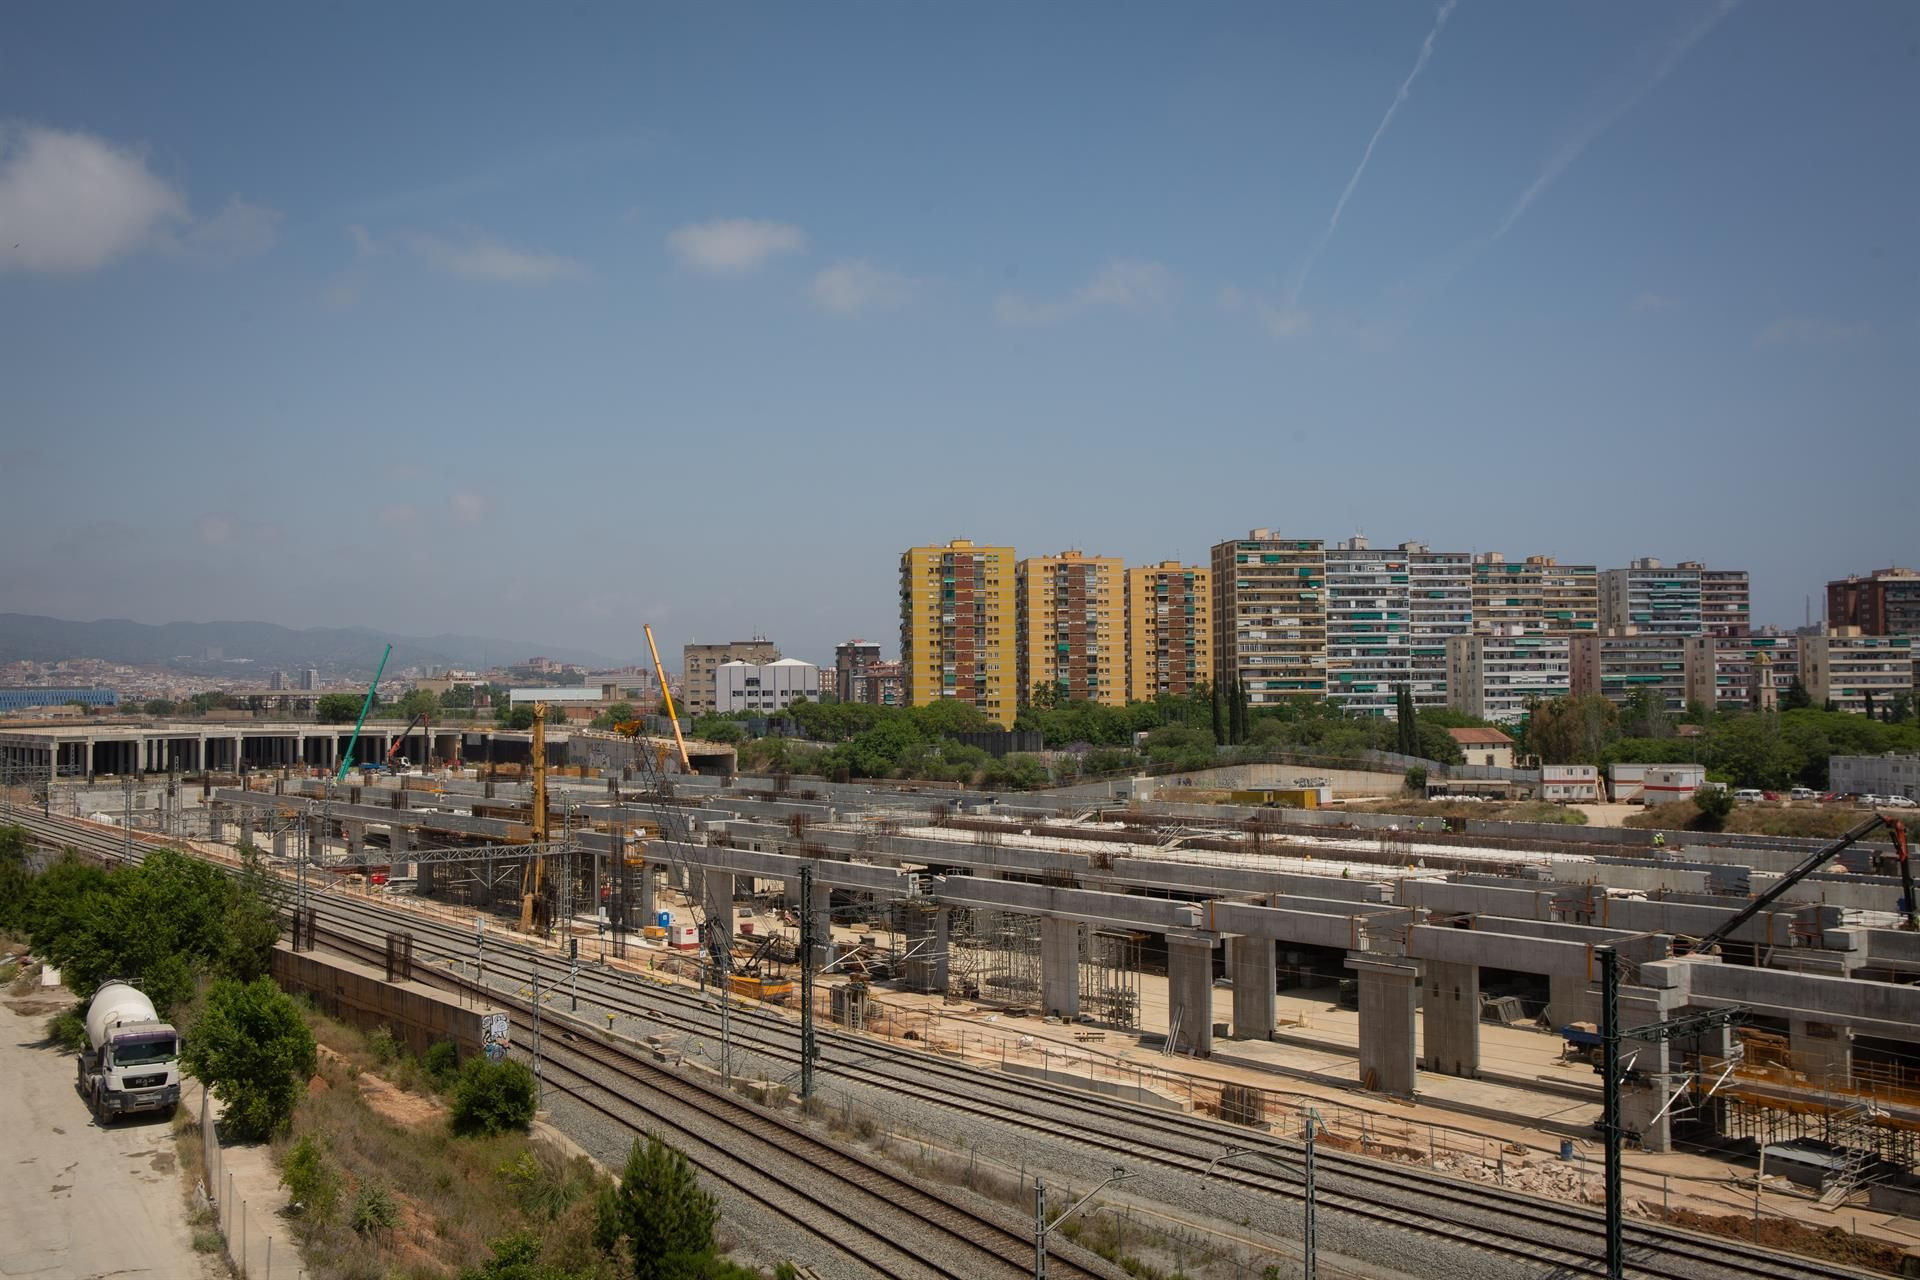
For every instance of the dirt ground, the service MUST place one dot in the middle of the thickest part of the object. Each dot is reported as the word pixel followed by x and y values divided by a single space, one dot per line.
pixel 64 1176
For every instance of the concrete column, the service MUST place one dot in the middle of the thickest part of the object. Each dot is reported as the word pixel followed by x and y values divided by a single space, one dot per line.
pixel 424 879
pixel 1572 1000
pixel 927 933
pixel 216 824
pixel 1452 1019
pixel 356 842
pixel 717 899
pixel 279 842
pixel 1190 995
pixel 1642 1099
pixel 400 840
pixel 644 883
pixel 246 825
pixel 1060 967
pixel 1822 1051
pixel 1251 962
pixel 1389 990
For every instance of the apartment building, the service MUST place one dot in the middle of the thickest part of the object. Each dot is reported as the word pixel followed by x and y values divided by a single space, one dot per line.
pixel 1496 673
pixel 1070 617
pixel 1743 672
pixel 852 659
pixel 1169 619
pixel 957 620
pixel 1726 600
pixel 1537 592
pixel 1651 599
pixel 701 661
pixel 1439 608
pixel 1619 664
pixel 1270 615
pixel 1368 627
pixel 1885 603
pixel 1856 672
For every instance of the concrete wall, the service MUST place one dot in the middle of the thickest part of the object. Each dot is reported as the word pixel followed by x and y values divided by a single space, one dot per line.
pixel 361 996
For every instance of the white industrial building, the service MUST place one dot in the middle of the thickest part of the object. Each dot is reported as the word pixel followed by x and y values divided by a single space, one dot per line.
pixel 764 687
pixel 1887 775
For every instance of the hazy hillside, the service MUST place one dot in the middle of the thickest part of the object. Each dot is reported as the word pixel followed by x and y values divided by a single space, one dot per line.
pixel 271 647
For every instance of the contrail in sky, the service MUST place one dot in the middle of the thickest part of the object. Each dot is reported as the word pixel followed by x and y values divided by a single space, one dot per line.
pixel 1406 87
pixel 1568 151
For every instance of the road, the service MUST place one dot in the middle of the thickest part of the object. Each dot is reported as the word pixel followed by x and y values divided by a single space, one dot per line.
pixel 78 1202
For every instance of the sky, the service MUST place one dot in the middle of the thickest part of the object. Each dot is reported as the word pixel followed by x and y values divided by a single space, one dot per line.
pixel 549 322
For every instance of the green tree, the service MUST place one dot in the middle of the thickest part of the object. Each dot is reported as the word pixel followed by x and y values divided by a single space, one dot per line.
pixel 1572 730
pixel 254 902
pixel 718 728
pixel 518 718
pixel 214 700
pixel 945 716
pixel 458 697
pixel 1796 698
pixel 492 1097
pixel 658 1215
pixel 337 708
pixel 1714 804
pixel 1216 706
pixel 418 702
pixel 16 883
pixel 160 707
pixel 252 1048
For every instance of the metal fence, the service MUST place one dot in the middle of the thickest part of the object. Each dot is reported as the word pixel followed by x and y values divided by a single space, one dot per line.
pixel 251 1233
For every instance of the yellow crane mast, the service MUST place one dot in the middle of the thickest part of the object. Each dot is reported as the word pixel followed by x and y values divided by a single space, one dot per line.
pixel 533 905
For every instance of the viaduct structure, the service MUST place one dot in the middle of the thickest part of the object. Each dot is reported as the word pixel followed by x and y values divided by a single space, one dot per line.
pixel 1418 920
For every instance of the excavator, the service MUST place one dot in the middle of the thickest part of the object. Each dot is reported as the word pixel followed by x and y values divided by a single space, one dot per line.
pixel 395 762
pixel 533 898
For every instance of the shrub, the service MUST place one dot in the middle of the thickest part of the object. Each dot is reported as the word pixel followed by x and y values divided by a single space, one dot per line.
pixel 1715 805
pixel 381 1044
pixel 442 1062
pixel 68 1030
pixel 311 1180
pixel 373 1210
pixel 1417 780
pixel 492 1097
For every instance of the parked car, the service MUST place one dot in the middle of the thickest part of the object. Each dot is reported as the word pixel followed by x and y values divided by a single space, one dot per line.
pixel 1898 802
pixel 1803 793
pixel 1747 795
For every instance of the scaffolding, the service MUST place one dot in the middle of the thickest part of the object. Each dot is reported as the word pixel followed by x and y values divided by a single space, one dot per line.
pixel 1110 980
pixel 1007 961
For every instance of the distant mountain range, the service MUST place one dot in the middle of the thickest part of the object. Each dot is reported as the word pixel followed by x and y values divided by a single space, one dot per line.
pixel 201 645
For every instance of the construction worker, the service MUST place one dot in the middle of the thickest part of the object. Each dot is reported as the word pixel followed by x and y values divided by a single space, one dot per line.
pixel 1659 839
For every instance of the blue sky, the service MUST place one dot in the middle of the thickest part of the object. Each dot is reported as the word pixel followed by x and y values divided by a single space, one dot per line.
pixel 547 324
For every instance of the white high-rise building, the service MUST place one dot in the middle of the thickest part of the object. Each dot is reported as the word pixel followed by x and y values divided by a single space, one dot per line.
pixel 1496 673
pixel 1439 608
pixel 1367 627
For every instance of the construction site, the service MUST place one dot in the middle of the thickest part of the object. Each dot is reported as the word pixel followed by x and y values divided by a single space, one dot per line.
pixel 1764 999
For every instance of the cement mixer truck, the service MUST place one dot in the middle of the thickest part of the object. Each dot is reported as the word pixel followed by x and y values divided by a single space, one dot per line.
pixel 132 1059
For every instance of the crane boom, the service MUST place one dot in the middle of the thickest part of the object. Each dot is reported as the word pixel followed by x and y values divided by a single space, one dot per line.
pixel 1812 863
pixel 532 900
pixel 666 695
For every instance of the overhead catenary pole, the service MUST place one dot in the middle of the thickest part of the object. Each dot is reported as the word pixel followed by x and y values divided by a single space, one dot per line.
pixel 809 1050
pixel 1610 1103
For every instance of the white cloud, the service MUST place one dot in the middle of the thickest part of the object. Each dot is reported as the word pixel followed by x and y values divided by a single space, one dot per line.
pixel 1811 331
pixel 848 287
pixel 481 257
pixel 1280 320
pixel 733 244
pixel 240 230
pixel 471 507
pixel 75 202
pixel 1127 282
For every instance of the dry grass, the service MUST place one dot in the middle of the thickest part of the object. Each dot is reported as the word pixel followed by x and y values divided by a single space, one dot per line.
pixel 1822 821
pixel 1523 811
pixel 452 1195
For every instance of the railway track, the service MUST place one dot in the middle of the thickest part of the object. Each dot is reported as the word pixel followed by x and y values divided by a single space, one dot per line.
pixel 1567 1238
